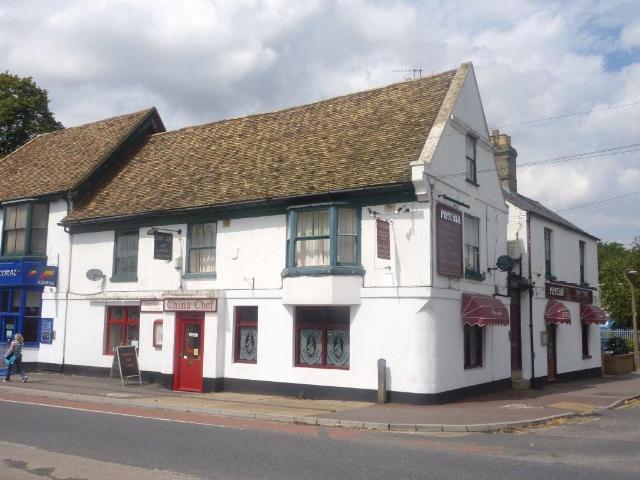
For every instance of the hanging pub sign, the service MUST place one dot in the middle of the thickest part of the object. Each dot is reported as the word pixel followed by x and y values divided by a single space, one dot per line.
pixel 568 292
pixel 383 239
pixel 449 241
pixel 163 246
pixel 190 304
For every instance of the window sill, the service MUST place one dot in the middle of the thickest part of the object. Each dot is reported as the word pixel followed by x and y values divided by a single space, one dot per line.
pixel 199 276
pixel 473 275
pixel 473 367
pixel 586 357
pixel 15 258
pixel 123 279
pixel 473 183
pixel 324 270
pixel 322 367
pixel 246 362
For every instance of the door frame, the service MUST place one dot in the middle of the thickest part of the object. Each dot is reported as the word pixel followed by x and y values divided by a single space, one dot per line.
pixel 552 351
pixel 180 318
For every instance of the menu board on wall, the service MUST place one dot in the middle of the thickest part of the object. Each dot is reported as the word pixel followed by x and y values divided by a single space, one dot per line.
pixel 383 239
pixel 449 241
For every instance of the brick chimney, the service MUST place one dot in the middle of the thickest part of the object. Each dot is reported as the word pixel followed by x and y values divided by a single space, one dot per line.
pixel 505 159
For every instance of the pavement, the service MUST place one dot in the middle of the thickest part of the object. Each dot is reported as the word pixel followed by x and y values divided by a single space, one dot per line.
pixel 502 411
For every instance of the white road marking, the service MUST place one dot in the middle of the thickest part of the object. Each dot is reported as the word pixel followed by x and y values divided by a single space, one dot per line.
pixel 89 410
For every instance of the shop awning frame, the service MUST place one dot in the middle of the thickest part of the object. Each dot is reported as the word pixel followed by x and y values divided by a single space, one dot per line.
pixel 592 314
pixel 482 310
pixel 557 312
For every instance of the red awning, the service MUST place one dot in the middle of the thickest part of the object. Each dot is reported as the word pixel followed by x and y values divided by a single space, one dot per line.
pixel 483 310
pixel 556 312
pixel 592 314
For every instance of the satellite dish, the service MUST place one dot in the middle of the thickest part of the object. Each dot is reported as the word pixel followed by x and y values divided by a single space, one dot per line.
pixel 505 263
pixel 94 274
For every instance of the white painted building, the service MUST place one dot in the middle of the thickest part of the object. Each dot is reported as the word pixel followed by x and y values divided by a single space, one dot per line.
pixel 296 248
pixel 557 334
pixel 38 183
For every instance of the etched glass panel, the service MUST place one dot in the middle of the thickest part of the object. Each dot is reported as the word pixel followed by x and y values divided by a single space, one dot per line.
pixel 310 346
pixel 249 344
pixel 338 348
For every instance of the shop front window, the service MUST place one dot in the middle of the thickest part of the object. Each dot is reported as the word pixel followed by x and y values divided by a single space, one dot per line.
pixel 20 312
pixel 123 328
pixel 246 335
pixel 473 346
pixel 322 337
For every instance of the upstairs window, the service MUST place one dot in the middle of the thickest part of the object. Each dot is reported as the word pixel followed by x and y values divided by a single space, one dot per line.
pixel 25 229
pixel 201 250
pixel 547 253
pixel 323 237
pixel 471 246
pixel 126 255
pixel 471 159
pixel 581 247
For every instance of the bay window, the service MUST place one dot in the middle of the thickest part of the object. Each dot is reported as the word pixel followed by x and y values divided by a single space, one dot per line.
pixel 25 229
pixel 324 239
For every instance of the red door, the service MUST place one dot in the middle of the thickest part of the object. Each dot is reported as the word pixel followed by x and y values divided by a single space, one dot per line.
pixel 516 338
pixel 189 354
pixel 551 351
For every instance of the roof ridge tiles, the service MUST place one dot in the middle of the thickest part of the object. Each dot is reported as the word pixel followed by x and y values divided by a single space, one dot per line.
pixel 306 105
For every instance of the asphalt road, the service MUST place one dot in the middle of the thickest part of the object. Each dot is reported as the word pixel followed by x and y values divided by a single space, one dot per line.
pixel 45 442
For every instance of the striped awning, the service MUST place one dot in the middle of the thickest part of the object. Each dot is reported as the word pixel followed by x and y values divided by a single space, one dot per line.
pixel 483 310
pixel 592 314
pixel 557 312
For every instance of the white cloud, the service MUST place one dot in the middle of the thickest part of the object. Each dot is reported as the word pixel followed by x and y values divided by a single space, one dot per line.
pixel 202 60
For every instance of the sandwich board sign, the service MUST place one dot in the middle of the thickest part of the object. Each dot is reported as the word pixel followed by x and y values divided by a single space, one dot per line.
pixel 125 363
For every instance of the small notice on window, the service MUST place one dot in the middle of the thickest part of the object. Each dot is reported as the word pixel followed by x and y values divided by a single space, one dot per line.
pixel 383 239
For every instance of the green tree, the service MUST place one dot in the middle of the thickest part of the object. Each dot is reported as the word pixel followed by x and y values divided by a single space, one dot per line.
pixel 24 112
pixel 614 259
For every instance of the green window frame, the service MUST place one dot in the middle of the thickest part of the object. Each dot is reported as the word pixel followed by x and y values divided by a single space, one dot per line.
pixel 201 248
pixel 125 256
pixel 472 247
pixel 470 154
pixel 24 229
pixel 324 239
pixel 547 253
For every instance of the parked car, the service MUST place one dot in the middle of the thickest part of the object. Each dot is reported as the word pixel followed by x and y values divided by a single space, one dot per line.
pixel 614 346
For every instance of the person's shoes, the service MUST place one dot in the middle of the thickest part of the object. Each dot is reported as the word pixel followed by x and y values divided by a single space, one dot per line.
pixel 24 380
pixel 4 380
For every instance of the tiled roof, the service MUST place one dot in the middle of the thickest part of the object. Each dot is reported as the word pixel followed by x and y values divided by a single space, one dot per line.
pixel 59 161
pixel 537 208
pixel 360 140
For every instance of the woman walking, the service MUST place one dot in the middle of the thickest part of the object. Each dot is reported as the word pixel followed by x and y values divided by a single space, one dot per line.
pixel 15 349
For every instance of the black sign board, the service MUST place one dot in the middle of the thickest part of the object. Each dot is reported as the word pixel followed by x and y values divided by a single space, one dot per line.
pixel 449 241
pixel 383 239
pixel 125 361
pixel 162 246
pixel 568 292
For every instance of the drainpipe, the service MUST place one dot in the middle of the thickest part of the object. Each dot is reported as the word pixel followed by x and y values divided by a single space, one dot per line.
pixel 533 355
pixel 68 289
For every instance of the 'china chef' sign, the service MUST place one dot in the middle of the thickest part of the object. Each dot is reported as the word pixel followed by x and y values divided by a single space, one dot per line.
pixel 190 304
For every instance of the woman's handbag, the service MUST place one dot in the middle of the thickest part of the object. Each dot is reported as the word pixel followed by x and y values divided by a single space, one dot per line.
pixel 10 359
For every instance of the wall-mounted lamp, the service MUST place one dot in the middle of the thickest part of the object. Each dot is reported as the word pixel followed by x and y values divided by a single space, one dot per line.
pixel 153 230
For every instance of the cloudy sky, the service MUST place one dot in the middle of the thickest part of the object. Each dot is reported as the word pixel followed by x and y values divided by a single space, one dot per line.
pixel 204 60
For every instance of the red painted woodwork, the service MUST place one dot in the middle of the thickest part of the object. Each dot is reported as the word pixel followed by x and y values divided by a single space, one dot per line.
pixel 551 351
pixel 189 352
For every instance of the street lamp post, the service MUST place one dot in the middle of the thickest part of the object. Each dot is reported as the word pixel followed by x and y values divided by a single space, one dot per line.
pixel 634 316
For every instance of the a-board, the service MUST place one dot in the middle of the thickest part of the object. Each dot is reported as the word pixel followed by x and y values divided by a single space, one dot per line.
pixel 125 362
